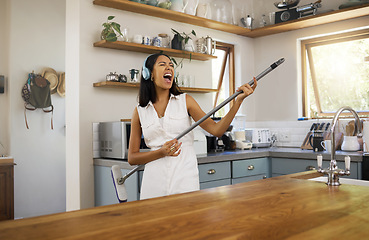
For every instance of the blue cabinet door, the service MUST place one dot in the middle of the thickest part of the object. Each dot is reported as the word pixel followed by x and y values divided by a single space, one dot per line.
pixel 283 166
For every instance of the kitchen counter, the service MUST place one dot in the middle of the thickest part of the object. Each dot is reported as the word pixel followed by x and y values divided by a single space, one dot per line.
pixel 285 207
pixel 293 153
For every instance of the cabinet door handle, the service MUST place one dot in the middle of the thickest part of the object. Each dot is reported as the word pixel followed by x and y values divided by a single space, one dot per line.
pixel 251 167
pixel 211 171
pixel 308 168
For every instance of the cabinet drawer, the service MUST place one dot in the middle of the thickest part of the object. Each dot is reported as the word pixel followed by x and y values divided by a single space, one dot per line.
pixel 217 183
pixel 282 166
pixel 250 167
pixel 214 171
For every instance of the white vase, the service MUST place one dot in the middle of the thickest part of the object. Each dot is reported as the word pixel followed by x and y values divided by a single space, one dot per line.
pixel 350 143
pixel 189 46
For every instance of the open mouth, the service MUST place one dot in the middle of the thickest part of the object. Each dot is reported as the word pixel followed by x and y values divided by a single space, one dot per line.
pixel 168 77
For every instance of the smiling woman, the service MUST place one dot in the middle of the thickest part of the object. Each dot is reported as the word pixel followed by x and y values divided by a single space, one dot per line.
pixel 335 73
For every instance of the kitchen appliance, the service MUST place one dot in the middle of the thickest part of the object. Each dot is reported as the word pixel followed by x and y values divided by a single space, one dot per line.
pixel 243 145
pixel 199 142
pixel 241 142
pixel 114 139
pixel 259 137
pixel 295 13
pixel 214 144
pixel 288 14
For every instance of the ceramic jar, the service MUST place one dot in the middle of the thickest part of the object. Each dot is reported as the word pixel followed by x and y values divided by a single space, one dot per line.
pixel 350 143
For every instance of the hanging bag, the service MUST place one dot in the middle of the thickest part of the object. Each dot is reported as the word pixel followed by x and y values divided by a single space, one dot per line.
pixel 36 94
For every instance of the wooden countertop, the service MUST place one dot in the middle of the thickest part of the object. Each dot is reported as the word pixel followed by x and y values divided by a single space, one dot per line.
pixel 286 207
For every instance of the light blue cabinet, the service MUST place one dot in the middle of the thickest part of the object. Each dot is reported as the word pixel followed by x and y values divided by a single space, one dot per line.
pixel 250 170
pixel 104 186
pixel 215 174
pixel 283 166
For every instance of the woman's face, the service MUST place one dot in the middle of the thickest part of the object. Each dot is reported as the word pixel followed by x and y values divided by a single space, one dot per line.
pixel 163 72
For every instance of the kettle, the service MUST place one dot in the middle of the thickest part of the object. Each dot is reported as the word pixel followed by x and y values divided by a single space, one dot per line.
pixel 210 45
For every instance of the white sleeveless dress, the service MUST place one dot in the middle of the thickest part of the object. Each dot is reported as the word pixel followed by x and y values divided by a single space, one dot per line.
pixel 168 175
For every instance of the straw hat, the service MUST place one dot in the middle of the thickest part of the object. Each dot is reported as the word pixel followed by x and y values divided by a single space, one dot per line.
pixel 51 75
pixel 61 86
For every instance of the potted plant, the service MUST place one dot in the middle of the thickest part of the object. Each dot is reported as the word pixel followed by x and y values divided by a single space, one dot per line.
pixel 111 30
pixel 181 39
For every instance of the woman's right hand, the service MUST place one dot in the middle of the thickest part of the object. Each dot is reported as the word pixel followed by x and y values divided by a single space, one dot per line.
pixel 171 148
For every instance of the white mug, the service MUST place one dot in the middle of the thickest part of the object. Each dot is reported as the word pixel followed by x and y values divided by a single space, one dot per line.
pixel 147 40
pixel 137 39
pixel 327 145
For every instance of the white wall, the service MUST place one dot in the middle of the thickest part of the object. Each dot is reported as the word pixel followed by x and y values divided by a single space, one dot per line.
pixel 36 40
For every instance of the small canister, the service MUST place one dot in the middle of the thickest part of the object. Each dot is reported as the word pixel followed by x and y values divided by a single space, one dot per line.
pixel 157 41
pixel 210 45
pixel 165 40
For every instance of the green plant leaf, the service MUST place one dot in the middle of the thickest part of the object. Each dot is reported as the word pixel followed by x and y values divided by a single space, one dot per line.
pixel 116 27
pixel 175 32
pixel 111 37
pixel 111 17
pixel 193 33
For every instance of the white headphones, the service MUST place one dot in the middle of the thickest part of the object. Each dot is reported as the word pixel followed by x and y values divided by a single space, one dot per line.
pixel 146 73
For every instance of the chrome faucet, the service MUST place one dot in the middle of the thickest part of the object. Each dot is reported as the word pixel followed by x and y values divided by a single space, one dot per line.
pixel 332 171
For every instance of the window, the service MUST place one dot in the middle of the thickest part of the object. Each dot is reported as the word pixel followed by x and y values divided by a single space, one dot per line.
pixel 335 73
pixel 223 76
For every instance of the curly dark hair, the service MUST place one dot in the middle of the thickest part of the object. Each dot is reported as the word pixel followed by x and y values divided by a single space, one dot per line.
pixel 147 91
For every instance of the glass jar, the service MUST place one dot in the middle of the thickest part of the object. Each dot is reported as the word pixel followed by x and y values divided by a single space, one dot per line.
pixel 221 11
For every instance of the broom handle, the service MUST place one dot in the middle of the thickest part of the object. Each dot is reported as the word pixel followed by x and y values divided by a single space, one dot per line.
pixel 258 77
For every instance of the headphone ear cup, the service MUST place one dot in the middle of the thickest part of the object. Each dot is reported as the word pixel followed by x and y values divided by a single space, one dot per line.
pixel 145 73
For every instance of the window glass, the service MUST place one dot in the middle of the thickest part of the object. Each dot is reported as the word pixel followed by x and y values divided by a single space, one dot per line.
pixel 337 75
pixel 217 66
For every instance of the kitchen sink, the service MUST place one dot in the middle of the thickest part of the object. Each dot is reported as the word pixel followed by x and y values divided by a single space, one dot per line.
pixel 343 181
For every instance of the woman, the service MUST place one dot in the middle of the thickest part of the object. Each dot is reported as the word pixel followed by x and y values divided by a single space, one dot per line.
pixel 163 113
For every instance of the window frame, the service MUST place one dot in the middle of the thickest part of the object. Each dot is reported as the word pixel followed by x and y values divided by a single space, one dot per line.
pixel 229 57
pixel 306 46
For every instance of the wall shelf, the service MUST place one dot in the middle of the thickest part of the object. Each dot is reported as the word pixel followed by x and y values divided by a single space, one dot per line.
pixel 323 18
pixel 110 84
pixel 135 47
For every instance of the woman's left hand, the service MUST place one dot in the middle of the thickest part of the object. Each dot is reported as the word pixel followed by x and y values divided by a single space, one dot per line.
pixel 246 90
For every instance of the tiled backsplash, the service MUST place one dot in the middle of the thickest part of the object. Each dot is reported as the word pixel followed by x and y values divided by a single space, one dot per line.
pixel 287 133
